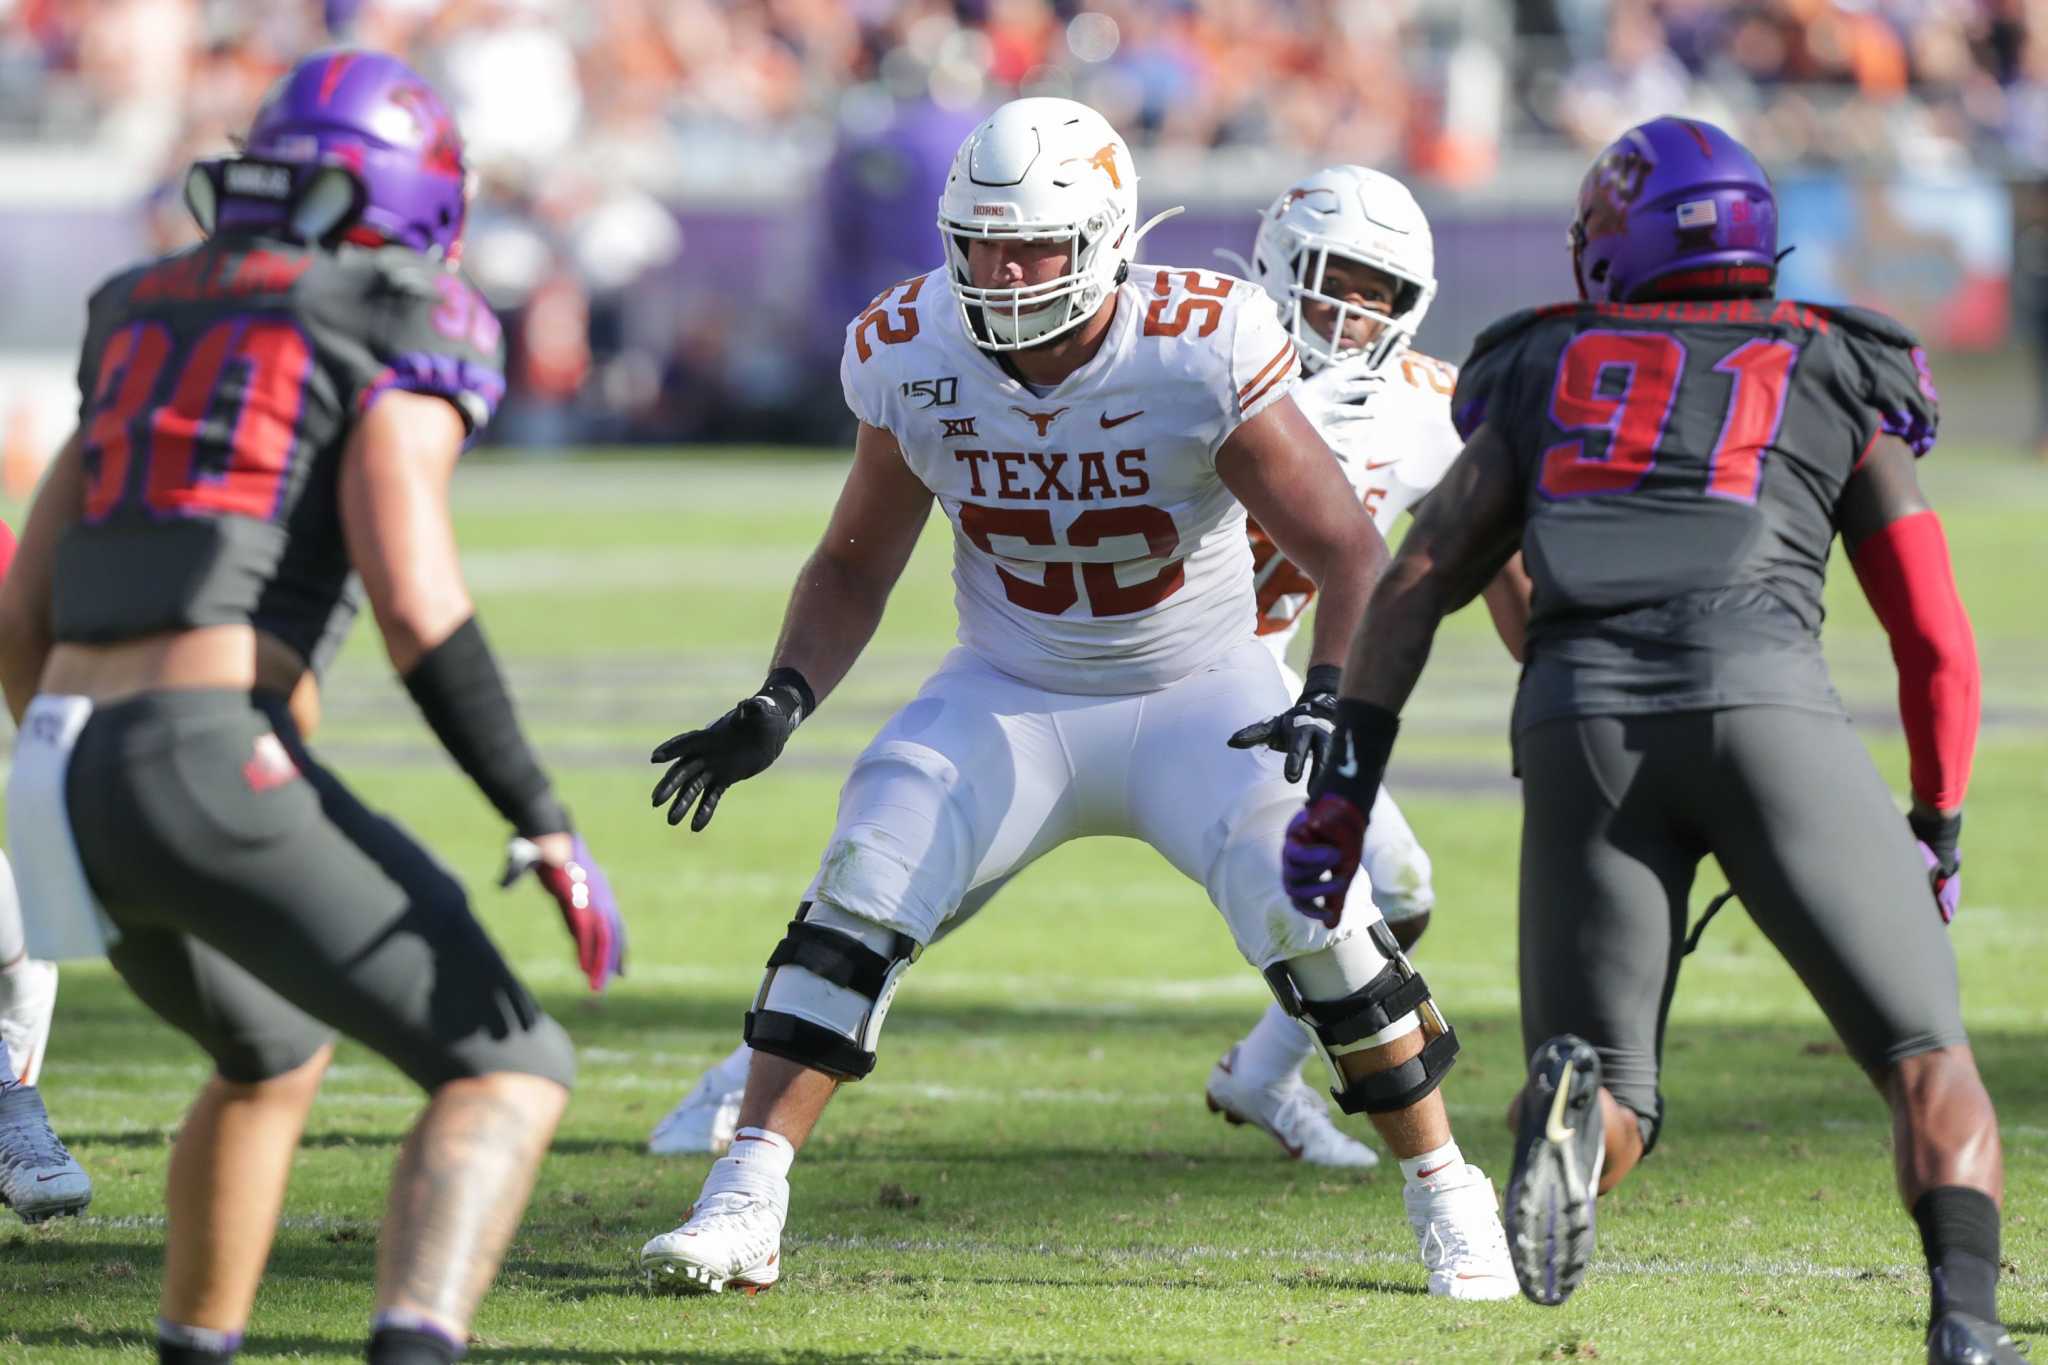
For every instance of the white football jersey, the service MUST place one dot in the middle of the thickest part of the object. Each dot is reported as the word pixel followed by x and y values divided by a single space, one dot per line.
pixel 1095 549
pixel 1401 451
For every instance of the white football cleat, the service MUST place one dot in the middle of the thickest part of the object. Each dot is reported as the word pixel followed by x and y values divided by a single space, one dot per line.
pixel 1295 1115
pixel 704 1121
pixel 28 998
pixel 38 1177
pixel 733 1238
pixel 1457 1222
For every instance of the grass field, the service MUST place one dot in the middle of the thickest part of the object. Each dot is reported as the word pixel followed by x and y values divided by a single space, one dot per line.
pixel 1031 1174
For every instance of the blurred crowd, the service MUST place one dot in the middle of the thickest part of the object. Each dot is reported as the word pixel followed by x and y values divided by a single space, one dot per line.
pixel 591 121
pixel 1437 87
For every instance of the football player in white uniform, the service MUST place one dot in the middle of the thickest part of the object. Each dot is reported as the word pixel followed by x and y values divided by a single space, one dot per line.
pixel 1096 433
pixel 1347 258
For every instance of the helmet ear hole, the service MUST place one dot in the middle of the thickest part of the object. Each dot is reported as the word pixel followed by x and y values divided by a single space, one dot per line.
pixel 327 205
pixel 202 196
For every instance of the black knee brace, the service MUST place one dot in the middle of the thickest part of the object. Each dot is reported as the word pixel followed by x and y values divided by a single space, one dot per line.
pixel 1397 992
pixel 841 960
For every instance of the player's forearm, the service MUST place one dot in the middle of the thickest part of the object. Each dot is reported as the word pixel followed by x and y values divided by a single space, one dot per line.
pixel 1343 587
pixel 1394 639
pixel 24 649
pixel 1905 571
pixel 833 613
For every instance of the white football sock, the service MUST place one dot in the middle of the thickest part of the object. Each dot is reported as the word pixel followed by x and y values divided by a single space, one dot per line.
pixel 758 1164
pixel 1417 1169
pixel 13 947
pixel 1273 1051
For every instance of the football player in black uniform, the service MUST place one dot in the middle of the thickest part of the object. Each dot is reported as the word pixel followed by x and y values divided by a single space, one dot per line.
pixel 267 417
pixel 1674 456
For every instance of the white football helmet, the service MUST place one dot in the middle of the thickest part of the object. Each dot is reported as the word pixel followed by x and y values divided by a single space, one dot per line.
pixel 1041 170
pixel 1359 215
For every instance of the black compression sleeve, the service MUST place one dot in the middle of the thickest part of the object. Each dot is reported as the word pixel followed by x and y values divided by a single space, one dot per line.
pixel 461 693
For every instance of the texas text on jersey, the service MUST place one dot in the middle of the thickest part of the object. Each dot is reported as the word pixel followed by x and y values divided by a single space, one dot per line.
pixel 1393 457
pixel 1095 548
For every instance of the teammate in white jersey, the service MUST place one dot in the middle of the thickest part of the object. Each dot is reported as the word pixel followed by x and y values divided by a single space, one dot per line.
pixel 1096 433
pixel 1346 257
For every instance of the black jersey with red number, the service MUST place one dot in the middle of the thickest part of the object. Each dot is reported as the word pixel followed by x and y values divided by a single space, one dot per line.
pixel 219 387
pixel 1682 464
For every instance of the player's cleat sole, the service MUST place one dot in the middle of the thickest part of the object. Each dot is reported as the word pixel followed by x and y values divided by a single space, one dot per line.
pixel 1962 1339
pixel 1555 1182
pixel 56 1203
pixel 672 1275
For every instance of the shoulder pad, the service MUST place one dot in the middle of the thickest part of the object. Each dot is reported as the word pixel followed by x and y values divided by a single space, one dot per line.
pixel 1514 325
pixel 397 270
pixel 1867 324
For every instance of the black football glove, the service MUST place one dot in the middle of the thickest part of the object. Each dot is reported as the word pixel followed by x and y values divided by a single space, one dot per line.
pixel 1940 837
pixel 739 744
pixel 1303 730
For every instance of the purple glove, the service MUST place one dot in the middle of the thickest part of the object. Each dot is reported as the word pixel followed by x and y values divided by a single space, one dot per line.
pixel 1325 841
pixel 584 896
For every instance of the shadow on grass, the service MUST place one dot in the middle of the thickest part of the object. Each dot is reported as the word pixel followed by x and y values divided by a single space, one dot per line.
pixel 260 1346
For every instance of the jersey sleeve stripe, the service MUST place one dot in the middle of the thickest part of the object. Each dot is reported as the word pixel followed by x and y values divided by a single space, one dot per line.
pixel 1248 403
pixel 1258 381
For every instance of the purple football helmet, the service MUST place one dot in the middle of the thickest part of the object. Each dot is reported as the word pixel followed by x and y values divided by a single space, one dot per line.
pixel 1679 204
pixel 351 145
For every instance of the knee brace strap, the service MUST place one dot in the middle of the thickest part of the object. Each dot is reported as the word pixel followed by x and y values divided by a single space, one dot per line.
pixel 1396 995
pixel 1400 1086
pixel 831 956
pixel 839 1034
pixel 1371 1009
pixel 807 1044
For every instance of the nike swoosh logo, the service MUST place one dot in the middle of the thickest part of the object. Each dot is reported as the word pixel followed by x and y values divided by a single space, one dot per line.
pixel 1349 767
pixel 1379 464
pixel 1108 421
pixel 1553 1127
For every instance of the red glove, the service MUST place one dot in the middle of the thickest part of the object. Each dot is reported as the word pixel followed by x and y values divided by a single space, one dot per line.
pixel 584 895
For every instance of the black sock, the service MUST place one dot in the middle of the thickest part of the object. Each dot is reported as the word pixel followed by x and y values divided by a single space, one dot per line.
pixel 1959 1233
pixel 178 1344
pixel 176 1353
pixel 405 1346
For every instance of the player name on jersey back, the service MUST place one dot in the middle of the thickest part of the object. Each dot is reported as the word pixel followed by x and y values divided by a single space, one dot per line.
pixel 1096 549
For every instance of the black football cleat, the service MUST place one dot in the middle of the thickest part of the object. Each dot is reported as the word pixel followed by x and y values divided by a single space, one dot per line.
pixel 1962 1339
pixel 1559 1147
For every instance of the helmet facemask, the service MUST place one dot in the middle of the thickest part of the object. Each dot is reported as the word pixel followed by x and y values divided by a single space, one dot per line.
pixel 1032 314
pixel 1310 264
